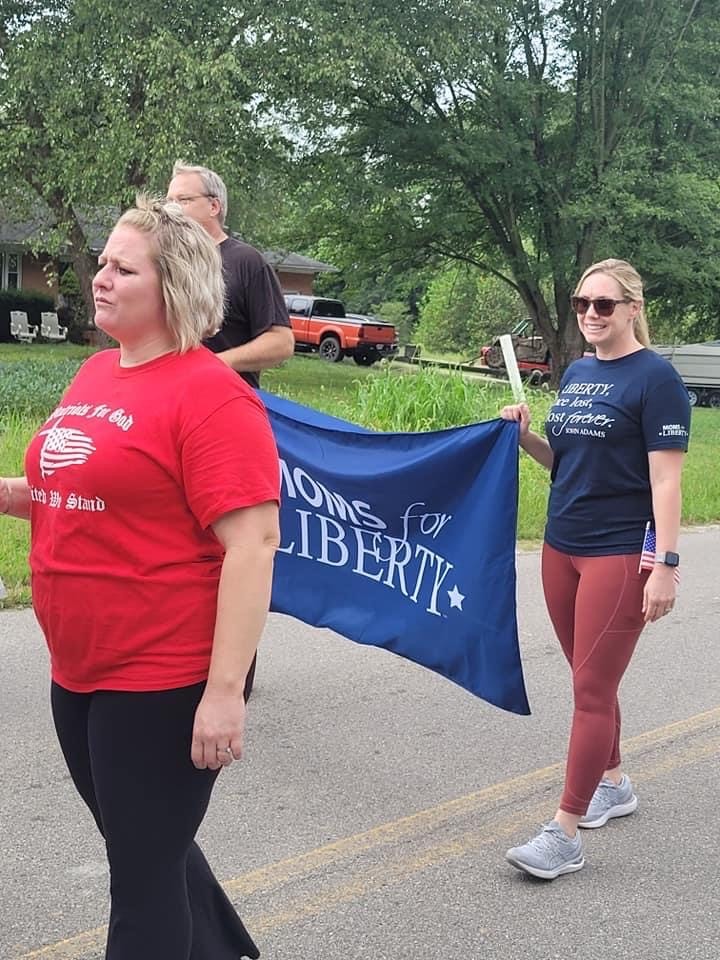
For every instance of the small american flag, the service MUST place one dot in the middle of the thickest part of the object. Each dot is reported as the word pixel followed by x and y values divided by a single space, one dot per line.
pixel 647 557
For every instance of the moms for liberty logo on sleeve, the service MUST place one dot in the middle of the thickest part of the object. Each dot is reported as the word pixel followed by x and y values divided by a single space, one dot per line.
pixel 404 541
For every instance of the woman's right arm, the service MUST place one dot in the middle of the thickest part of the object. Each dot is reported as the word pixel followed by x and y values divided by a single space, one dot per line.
pixel 532 443
pixel 15 497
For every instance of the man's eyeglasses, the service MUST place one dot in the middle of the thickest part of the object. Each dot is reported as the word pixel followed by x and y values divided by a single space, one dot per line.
pixel 604 306
pixel 183 201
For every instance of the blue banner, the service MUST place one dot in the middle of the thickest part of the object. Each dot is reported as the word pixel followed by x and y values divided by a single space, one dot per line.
pixel 404 541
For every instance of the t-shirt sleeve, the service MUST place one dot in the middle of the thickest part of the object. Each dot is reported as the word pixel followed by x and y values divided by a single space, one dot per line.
pixel 264 302
pixel 230 460
pixel 666 416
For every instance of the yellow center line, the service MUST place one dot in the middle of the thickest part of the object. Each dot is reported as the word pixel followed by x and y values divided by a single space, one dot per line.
pixel 369 881
pixel 416 826
pixel 424 820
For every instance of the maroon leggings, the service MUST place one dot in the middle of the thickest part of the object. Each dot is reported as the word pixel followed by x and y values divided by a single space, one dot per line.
pixel 595 604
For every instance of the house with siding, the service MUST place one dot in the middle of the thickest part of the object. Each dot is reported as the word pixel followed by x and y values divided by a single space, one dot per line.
pixel 22 268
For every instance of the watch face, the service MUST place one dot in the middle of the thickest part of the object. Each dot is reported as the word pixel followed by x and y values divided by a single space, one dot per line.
pixel 671 559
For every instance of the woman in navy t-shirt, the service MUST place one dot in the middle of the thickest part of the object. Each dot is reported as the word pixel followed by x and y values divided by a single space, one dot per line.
pixel 614 443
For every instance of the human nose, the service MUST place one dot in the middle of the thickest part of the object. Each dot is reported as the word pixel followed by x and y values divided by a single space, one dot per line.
pixel 101 278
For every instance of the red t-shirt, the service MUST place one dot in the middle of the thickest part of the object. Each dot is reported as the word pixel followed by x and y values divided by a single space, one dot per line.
pixel 126 477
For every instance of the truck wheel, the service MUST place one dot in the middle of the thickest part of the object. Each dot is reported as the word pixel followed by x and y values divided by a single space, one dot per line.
pixel 714 399
pixel 693 397
pixel 330 349
pixel 365 359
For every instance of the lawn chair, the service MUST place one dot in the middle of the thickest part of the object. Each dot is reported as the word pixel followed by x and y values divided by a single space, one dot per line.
pixel 51 329
pixel 20 328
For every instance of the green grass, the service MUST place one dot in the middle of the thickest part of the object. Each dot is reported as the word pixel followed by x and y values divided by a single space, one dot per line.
pixel 330 387
pixel 15 432
pixel 44 352
pixel 394 397
pixel 701 477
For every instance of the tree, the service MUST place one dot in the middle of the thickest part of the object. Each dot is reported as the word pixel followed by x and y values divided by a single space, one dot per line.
pixel 463 310
pixel 522 138
pixel 99 99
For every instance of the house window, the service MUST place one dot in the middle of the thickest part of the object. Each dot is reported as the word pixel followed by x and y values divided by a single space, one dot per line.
pixel 11 271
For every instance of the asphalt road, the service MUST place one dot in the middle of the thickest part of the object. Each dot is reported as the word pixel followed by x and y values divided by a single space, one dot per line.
pixel 371 816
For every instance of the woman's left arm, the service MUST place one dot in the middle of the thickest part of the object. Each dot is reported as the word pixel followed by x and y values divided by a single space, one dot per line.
pixel 665 473
pixel 15 497
pixel 250 537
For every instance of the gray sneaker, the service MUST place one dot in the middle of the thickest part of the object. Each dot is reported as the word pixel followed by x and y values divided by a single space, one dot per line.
pixel 549 854
pixel 609 800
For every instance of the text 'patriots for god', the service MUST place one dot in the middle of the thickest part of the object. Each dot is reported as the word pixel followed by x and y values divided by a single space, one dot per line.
pixel 346 533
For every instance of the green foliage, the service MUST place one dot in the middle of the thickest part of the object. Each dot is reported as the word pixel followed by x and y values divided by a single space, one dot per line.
pixel 69 285
pixel 30 302
pixel 463 310
pixel 25 300
pixel 31 387
pixel 15 434
pixel 72 311
pixel 423 400
pixel 527 139
pixel 99 100
pixel 674 322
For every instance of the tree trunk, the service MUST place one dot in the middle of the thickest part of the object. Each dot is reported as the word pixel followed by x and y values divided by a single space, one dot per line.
pixel 85 265
pixel 569 344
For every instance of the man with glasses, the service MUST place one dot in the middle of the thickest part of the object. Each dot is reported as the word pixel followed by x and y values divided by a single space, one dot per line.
pixel 256 331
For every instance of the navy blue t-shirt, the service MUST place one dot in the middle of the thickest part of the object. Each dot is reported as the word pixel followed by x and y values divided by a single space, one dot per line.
pixel 608 415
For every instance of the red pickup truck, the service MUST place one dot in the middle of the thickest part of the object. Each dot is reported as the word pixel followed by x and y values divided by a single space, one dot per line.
pixel 323 325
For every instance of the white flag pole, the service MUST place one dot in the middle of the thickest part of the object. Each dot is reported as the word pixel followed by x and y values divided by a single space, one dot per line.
pixel 512 368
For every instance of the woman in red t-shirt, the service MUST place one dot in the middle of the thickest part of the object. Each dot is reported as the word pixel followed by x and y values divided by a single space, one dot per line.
pixel 152 492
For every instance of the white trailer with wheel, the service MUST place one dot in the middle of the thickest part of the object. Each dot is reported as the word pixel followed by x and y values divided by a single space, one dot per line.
pixel 699 366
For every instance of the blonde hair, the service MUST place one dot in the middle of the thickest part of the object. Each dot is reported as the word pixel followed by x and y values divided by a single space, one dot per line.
pixel 189 266
pixel 630 282
pixel 213 184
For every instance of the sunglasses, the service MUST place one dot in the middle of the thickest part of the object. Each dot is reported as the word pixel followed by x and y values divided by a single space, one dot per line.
pixel 603 306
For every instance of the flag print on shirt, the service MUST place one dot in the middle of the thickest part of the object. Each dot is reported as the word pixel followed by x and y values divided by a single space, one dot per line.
pixel 64 447
pixel 647 557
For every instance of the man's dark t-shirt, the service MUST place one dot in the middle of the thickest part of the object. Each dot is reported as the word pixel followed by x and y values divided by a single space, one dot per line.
pixel 253 300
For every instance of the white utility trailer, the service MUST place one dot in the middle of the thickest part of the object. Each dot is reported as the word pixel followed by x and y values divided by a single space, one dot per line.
pixel 699 366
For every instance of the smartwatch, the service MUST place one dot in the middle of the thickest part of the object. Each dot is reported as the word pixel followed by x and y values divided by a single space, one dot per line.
pixel 669 558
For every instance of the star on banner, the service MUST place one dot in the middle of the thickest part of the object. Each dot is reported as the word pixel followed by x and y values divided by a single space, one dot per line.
pixel 456 598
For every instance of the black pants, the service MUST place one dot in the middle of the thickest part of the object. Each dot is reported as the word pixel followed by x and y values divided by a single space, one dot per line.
pixel 250 679
pixel 129 757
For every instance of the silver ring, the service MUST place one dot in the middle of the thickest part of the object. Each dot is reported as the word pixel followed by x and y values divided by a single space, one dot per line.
pixel 225 750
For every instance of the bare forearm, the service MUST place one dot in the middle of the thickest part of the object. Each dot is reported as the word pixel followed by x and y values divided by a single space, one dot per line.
pixel 268 350
pixel 667 507
pixel 538 448
pixel 243 602
pixel 15 497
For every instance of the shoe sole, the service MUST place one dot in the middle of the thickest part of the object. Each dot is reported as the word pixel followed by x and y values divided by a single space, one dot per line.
pixel 620 810
pixel 547 874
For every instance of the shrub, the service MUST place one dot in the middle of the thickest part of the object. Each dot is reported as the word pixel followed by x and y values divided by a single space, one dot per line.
pixel 72 311
pixel 463 309
pixel 31 302
pixel 32 387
